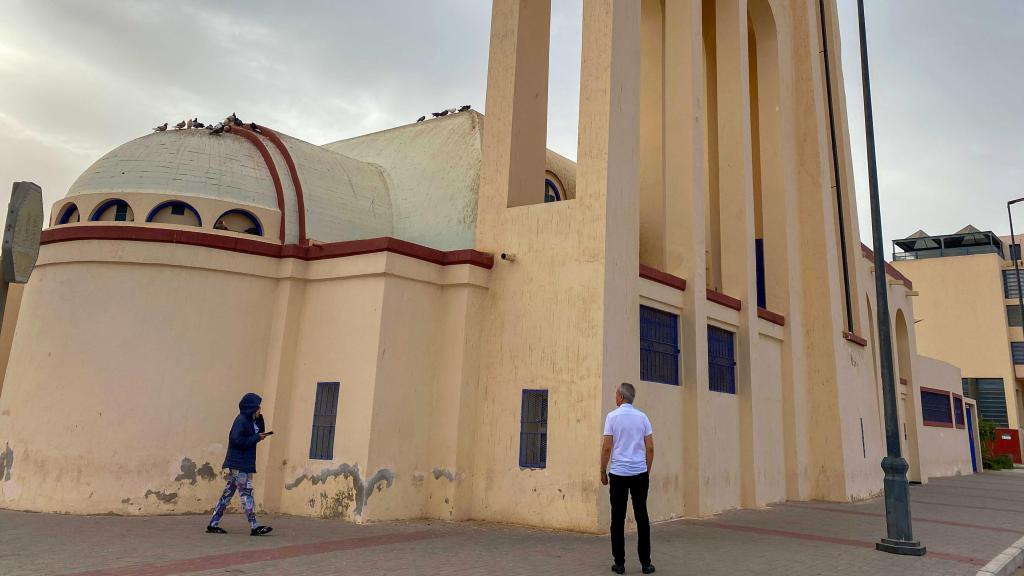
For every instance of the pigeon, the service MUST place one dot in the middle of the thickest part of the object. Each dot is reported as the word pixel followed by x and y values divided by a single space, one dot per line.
pixel 255 128
pixel 438 114
pixel 160 128
pixel 421 118
pixel 189 124
pixel 197 124
pixel 464 108
pixel 233 120
pixel 452 110
pixel 237 122
pixel 219 128
pixel 180 125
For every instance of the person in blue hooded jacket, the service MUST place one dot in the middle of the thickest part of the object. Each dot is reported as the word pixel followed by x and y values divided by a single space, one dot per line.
pixel 240 461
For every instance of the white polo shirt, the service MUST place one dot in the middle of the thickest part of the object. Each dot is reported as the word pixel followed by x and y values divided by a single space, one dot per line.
pixel 628 427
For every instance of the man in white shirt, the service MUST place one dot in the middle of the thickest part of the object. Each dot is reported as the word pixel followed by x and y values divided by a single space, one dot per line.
pixel 629 446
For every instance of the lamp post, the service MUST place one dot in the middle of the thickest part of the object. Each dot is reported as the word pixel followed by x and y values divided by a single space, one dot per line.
pixel 900 534
pixel 1016 267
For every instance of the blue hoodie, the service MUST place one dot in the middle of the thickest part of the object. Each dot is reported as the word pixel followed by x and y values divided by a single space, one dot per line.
pixel 243 437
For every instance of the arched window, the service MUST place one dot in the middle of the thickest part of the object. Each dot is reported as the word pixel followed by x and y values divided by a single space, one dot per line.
pixel 239 221
pixel 175 212
pixel 68 214
pixel 114 210
pixel 552 193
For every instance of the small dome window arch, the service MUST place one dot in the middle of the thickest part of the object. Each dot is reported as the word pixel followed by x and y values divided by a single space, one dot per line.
pixel 552 192
pixel 113 210
pixel 68 214
pixel 175 212
pixel 241 221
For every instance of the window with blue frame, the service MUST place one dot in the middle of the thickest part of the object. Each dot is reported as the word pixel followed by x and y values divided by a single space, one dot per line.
pixel 721 360
pixel 1017 349
pixel 533 430
pixel 762 294
pixel 935 409
pixel 958 411
pixel 1011 288
pixel 325 416
pixel 659 346
pixel 551 191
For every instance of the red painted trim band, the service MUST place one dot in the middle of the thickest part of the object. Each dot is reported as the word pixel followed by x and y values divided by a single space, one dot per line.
pixel 773 317
pixel 724 300
pixel 269 161
pixel 945 393
pixel 257 248
pixel 655 275
pixel 858 340
pixel 889 268
pixel 938 424
pixel 300 200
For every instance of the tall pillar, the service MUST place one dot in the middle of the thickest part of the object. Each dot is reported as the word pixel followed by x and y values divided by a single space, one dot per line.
pixel 684 182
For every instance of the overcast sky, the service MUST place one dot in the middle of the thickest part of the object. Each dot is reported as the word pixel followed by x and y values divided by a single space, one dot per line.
pixel 78 78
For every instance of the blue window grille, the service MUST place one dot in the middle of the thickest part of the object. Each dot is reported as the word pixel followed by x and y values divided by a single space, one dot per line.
pixel 1013 315
pixel 721 360
pixel 533 430
pixel 1011 289
pixel 325 415
pixel 958 411
pixel 121 212
pixel 762 294
pixel 1017 349
pixel 990 396
pixel 551 192
pixel 935 407
pixel 659 346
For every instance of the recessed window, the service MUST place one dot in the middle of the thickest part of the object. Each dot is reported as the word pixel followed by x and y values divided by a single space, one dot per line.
pixel 68 214
pixel 239 221
pixel 721 360
pixel 990 396
pixel 935 408
pixel 325 416
pixel 533 430
pixel 1011 289
pixel 659 346
pixel 1017 351
pixel 175 212
pixel 551 191
pixel 958 411
pixel 1013 315
pixel 113 211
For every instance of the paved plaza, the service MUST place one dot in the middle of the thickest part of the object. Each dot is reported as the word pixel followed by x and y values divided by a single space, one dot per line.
pixel 964 522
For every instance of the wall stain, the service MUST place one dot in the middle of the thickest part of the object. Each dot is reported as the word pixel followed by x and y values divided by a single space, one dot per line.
pixel 6 462
pixel 444 473
pixel 363 490
pixel 191 473
pixel 162 496
pixel 337 506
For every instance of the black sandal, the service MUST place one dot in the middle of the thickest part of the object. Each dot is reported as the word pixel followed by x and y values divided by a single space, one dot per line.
pixel 215 530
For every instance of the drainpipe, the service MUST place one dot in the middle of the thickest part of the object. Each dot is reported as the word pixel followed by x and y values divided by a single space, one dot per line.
pixel 835 168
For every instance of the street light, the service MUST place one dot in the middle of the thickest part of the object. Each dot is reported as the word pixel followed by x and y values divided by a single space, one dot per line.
pixel 1016 268
pixel 900 533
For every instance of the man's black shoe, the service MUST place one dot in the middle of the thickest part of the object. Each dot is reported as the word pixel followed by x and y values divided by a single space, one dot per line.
pixel 648 569
pixel 260 531
pixel 216 530
pixel 619 568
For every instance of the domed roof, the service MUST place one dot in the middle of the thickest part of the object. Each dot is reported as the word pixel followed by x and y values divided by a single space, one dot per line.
pixel 183 163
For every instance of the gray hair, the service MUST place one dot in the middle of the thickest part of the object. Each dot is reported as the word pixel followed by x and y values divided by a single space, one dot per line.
pixel 628 392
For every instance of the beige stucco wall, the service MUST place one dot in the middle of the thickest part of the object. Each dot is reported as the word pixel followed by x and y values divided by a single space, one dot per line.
pixel 943 451
pixel 12 309
pixel 190 330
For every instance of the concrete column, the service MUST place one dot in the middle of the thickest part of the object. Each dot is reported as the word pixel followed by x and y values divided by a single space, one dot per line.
pixel 517 100
pixel 607 180
pixel 654 217
pixel 684 183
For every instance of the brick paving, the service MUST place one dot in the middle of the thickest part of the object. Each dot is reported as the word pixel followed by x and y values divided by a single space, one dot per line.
pixel 963 521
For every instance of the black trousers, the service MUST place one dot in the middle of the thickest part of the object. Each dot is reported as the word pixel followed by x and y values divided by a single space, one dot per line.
pixel 621 487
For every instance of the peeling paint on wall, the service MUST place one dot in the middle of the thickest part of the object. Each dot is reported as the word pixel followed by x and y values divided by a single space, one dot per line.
pixel 444 473
pixel 192 474
pixel 6 462
pixel 362 490
pixel 162 496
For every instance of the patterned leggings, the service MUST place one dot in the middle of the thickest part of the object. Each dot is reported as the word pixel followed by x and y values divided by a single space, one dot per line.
pixel 242 482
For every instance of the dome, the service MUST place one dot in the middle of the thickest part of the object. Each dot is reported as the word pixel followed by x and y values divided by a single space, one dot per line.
pixel 187 163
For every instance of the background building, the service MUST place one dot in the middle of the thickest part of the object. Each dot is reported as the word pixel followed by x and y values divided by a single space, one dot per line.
pixel 437 315
pixel 969 315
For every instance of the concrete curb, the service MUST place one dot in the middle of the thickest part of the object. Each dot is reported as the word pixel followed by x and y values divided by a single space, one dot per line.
pixel 1007 562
